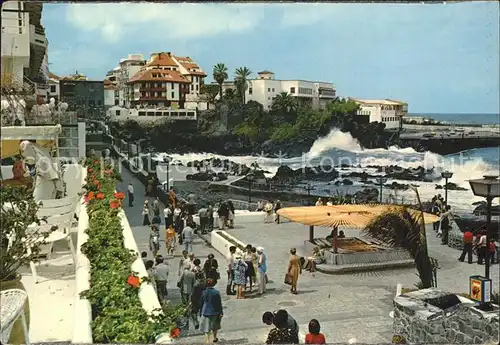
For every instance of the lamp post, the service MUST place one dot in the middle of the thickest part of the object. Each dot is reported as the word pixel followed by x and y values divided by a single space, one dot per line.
pixel 166 160
pixel 309 187
pixel 250 178
pixel 380 182
pixel 446 175
pixel 489 188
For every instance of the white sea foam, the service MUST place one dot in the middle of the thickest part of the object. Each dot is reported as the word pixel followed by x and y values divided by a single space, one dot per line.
pixel 338 147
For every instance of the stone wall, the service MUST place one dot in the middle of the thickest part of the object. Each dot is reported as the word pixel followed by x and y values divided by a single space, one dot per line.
pixel 419 317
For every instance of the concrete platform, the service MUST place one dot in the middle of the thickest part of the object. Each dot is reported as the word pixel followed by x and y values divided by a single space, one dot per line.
pixel 51 299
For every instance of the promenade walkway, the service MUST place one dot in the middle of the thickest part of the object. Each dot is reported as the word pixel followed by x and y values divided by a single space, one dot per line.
pixel 350 306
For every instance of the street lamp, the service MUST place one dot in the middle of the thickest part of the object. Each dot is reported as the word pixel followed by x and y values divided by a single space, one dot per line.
pixel 380 182
pixel 489 188
pixel 166 160
pixel 250 178
pixel 446 175
pixel 309 187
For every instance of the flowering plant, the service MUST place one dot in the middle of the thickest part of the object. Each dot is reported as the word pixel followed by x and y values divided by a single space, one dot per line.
pixel 118 316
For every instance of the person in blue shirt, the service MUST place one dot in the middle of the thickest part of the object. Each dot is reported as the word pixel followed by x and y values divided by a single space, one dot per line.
pixel 261 269
pixel 211 311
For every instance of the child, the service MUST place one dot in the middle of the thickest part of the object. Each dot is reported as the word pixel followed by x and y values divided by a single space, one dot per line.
pixel 314 336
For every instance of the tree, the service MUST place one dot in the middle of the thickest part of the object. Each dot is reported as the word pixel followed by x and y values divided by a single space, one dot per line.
pixel 230 95
pixel 284 102
pixel 210 92
pixel 241 76
pixel 220 75
pixel 398 228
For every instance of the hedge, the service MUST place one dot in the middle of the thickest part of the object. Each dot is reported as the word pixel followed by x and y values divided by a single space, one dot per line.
pixel 117 313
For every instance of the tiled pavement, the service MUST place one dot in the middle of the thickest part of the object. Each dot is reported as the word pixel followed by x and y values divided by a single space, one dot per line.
pixel 348 306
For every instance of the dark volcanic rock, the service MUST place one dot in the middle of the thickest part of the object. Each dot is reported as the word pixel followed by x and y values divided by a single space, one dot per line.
pixel 395 185
pixel 400 173
pixel 450 186
pixel 226 165
pixel 367 195
pixel 286 175
pixel 347 182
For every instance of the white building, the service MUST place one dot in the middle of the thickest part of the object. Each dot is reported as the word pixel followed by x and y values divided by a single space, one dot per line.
pixel 111 94
pixel 165 80
pixel 54 86
pixel 387 111
pixel 151 114
pixel 24 45
pixel 265 88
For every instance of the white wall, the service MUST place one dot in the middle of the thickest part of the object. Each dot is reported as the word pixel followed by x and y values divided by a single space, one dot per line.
pixel 109 97
pixel 14 43
pixel 82 141
pixel 377 114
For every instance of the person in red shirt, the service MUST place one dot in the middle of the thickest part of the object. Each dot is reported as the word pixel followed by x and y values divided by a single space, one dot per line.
pixel 468 239
pixel 314 336
pixel 492 250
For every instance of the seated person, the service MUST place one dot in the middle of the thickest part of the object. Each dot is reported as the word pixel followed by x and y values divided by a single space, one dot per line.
pixel 315 259
pixel 341 234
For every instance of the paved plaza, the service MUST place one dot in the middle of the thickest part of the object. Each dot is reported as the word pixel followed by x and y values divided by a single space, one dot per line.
pixel 349 306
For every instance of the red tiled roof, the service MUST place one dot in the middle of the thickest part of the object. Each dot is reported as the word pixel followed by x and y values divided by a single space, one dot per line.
pixel 163 59
pixel 164 75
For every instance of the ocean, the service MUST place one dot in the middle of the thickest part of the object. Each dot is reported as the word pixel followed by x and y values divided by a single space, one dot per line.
pixel 337 148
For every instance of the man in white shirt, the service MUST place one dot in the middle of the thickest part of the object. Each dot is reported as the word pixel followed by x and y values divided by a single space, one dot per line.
pixel 130 194
pixel 482 249
pixel 167 214
pixel 187 236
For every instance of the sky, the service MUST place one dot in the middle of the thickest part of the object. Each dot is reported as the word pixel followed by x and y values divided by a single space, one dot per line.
pixel 440 58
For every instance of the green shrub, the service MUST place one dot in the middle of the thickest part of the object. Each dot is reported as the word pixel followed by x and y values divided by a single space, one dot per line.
pixel 117 313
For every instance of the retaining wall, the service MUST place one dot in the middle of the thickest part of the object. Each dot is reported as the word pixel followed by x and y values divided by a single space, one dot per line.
pixel 420 322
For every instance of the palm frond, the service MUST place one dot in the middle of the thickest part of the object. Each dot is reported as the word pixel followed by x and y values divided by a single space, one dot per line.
pixel 398 228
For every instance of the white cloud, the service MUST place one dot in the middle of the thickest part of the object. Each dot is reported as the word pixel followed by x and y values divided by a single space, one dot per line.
pixel 186 20
pixel 307 14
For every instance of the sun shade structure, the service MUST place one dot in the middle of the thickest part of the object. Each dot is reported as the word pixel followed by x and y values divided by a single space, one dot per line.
pixel 354 216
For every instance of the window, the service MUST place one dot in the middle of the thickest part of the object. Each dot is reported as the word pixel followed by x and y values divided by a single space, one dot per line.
pixel 292 90
pixel 196 87
pixel 142 113
pixel 91 103
pixel 173 94
pixel 273 89
pixel 268 98
pixel 250 91
pixel 117 102
pixel 151 113
pixel 191 113
pixel 171 85
pixel 158 113
pixel 117 112
pixel 192 87
pixel 268 89
pixel 52 88
pixel 99 102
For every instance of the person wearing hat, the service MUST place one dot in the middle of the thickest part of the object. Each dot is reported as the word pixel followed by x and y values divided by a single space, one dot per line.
pixel 261 269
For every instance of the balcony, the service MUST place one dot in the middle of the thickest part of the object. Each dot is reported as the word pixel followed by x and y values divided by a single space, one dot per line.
pixel 326 93
pixel 150 98
pixel 153 89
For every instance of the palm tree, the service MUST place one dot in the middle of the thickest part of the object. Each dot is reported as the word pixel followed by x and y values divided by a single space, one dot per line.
pixel 398 228
pixel 229 94
pixel 284 102
pixel 219 73
pixel 241 81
